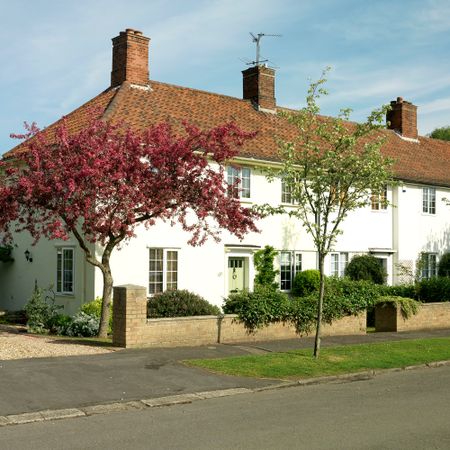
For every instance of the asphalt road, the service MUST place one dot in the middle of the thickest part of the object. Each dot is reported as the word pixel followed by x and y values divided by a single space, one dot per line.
pixel 399 410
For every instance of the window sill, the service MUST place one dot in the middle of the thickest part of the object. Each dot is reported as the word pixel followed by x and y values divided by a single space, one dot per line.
pixel 65 294
pixel 379 211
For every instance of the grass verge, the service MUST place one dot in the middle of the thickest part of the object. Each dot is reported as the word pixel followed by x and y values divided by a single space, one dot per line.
pixel 300 364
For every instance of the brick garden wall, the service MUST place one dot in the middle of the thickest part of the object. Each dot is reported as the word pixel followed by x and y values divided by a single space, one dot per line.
pixel 131 327
pixel 430 316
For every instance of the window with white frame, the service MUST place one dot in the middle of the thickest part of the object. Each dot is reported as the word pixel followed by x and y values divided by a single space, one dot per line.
pixel 378 200
pixel 163 270
pixel 339 262
pixel 286 192
pixel 241 176
pixel 429 265
pixel 65 270
pixel 290 264
pixel 429 200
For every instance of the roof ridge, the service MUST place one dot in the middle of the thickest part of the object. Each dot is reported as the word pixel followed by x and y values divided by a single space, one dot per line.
pixel 111 106
pixel 216 94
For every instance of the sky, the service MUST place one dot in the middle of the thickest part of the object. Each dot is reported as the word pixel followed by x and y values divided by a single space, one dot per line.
pixel 57 54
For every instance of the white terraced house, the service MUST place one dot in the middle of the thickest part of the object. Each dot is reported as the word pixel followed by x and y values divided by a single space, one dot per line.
pixel 160 258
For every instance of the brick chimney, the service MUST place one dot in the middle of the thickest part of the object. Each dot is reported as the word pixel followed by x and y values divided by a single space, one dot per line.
pixel 130 58
pixel 259 87
pixel 403 118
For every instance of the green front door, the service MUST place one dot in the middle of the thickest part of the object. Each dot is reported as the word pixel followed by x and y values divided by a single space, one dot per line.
pixel 236 274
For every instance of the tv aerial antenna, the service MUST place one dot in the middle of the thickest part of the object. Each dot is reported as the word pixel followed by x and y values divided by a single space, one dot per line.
pixel 256 39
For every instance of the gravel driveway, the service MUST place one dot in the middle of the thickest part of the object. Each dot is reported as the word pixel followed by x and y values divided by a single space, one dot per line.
pixel 15 344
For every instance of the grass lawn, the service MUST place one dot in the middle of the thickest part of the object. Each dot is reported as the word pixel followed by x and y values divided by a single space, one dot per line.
pixel 300 364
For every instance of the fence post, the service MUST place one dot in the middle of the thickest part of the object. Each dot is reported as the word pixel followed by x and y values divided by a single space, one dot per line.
pixel 129 315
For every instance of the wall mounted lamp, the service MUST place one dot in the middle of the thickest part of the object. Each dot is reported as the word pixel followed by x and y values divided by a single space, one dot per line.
pixel 28 256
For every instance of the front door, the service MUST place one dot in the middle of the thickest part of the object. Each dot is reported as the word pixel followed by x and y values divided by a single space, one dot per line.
pixel 236 274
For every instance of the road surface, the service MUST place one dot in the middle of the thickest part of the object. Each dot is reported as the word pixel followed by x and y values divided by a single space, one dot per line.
pixel 400 410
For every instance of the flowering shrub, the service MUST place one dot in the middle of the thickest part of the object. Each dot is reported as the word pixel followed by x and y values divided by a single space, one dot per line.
pixel 83 325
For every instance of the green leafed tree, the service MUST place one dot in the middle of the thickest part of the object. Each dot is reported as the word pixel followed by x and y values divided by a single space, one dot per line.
pixel 441 133
pixel 331 168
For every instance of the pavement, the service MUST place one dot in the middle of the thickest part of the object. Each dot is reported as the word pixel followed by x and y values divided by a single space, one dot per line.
pixel 50 388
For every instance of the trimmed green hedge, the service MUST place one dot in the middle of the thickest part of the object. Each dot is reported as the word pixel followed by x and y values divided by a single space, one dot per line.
pixel 263 306
pixel 180 303
pixel 434 290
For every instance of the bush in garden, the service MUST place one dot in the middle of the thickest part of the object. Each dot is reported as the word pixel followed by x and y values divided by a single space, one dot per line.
pixel 435 290
pixel 306 282
pixel 263 306
pixel 180 303
pixel 344 296
pixel 59 324
pixel 266 273
pixel 40 310
pixel 303 313
pixel 365 267
pixel 258 308
pixel 94 309
pixel 401 290
pixel 83 325
pixel 408 306
pixel 444 265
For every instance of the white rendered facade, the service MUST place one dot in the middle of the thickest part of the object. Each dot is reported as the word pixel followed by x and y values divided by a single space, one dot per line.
pixel 397 234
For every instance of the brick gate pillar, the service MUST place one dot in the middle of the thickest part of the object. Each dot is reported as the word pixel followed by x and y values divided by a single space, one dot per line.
pixel 129 315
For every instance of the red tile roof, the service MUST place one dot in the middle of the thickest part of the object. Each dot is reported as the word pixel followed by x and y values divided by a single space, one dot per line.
pixel 426 161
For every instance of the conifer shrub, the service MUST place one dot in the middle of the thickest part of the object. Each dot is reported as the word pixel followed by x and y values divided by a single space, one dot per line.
pixel 266 274
pixel 40 311
pixel 306 282
pixel 365 267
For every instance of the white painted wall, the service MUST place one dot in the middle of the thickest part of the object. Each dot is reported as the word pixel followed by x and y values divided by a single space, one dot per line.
pixel 204 269
pixel 398 233
pixel 18 278
pixel 416 231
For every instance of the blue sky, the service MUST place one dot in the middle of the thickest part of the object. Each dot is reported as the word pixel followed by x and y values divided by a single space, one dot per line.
pixel 57 54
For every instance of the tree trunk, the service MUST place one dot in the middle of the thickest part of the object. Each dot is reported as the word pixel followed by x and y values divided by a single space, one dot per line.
pixel 319 307
pixel 106 300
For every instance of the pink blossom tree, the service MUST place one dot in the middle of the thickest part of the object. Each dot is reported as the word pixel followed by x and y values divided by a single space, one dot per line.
pixel 99 184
